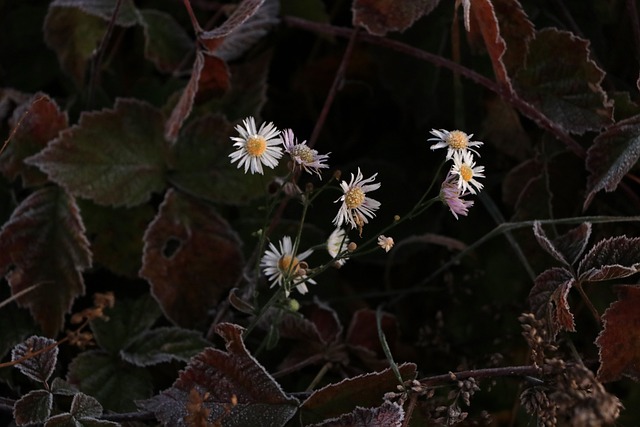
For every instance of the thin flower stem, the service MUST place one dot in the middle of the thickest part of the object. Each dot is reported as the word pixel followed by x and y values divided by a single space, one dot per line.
pixel 274 298
pixel 587 301
pixel 325 368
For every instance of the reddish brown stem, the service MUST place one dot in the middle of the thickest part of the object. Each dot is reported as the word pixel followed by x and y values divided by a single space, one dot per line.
pixel 507 371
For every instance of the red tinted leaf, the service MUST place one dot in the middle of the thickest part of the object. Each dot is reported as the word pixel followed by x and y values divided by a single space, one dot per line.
pixel 33 408
pixel 613 153
pixel 612 258
pixel 73 35
pixel 166 43
pixel 516 29
pixel 388 415
pixel 191 257
pixel 363 331
pixel 568 247
pixel 40 367
pixel 548 299
pixel 214 38
pixel 127 14
pixel 43 244
pixel 116 384
pixel 563 82
pixel 209 75
pixel 38 121
pixel 619 341
pixel 234 376
pixel 485 22
pixel 381 16
pixel 113 157
pixel 364 390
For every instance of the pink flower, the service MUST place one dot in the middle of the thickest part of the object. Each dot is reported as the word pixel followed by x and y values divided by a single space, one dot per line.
pixel 452 196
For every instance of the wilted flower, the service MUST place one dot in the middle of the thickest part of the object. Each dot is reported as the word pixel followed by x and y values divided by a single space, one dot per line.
pixel 451 196
pixel 385 243
pixel 465 168
pixel 337 243
pixel 282 266
pixel 255 148
pixel 356 205
pixel 454 141
pixel 302 154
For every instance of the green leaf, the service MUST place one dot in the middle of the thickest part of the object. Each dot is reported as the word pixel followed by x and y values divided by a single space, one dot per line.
pixel 163 345
pixel 73 35
pixel 127 320
pixel 33 408
pixel 43 244
pixel 39 367
pixel 226 377
pixel 613 153
pixel 166 42
pixel 202 167
pixel 365 390
pixel 38 121
pixel 562 80
pixel 83 406
pixel 127 14
pixel 113 382
pixel 379 17
pixel 191 258
pixel 113 157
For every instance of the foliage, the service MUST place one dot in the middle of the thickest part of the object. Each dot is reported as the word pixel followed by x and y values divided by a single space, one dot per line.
pixel 231 288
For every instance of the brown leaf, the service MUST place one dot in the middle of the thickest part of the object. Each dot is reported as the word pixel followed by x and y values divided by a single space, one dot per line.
pixel 191 257
pixel 548 300
pixel 619 341
pixel 381 16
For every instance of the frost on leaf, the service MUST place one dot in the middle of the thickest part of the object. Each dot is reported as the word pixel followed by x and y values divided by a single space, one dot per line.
pixel 613 153
pixel 619 341
pixel 548 300
pixel 39 367
pixel 236 390
pixel 191 258
pixel 381 16
pixel 364 390
pixel 566 248
pixel 562 81
pixel 44 245
pixel 33 408
pixel 612 258
pixel 114 157
pixel 163 345
pixel 388 415
pixel 127 14
pixel 36 122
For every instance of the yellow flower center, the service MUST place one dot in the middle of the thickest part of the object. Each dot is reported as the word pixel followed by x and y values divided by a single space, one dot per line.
pixel 256 145
pixel 289 264
pixel 458 140
pixel 354 197
pixel 466 173
pixel 304 153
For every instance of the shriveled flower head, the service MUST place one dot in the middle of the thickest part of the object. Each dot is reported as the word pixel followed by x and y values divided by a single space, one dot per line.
pixel 337 243
pixel 283 267
pixel 255 148
pixel 454 141
pixel 385 243
pixel 465 169
pixel 356 206
pixel 451 196
pixel 302 155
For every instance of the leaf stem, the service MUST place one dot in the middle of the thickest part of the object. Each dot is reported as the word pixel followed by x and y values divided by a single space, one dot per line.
pixel 587 301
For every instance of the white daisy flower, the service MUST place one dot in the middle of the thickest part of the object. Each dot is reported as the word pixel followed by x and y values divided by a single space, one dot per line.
pixel 283 267
pixel 255 148
pixel 465 168
pixel 303 155
pixel 337 243
pixel 451 196
pixel 454 141
pixel 385 243
pixel 356 206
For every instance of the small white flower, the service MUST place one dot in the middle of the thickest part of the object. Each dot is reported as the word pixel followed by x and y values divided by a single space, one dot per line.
pixel 454 141
pixel 385 243
pixel 465 168
pixel 451 196
pixel 255 148
pixel 303 155
pixel 283 267
pixel 356 205
pixel 337 243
